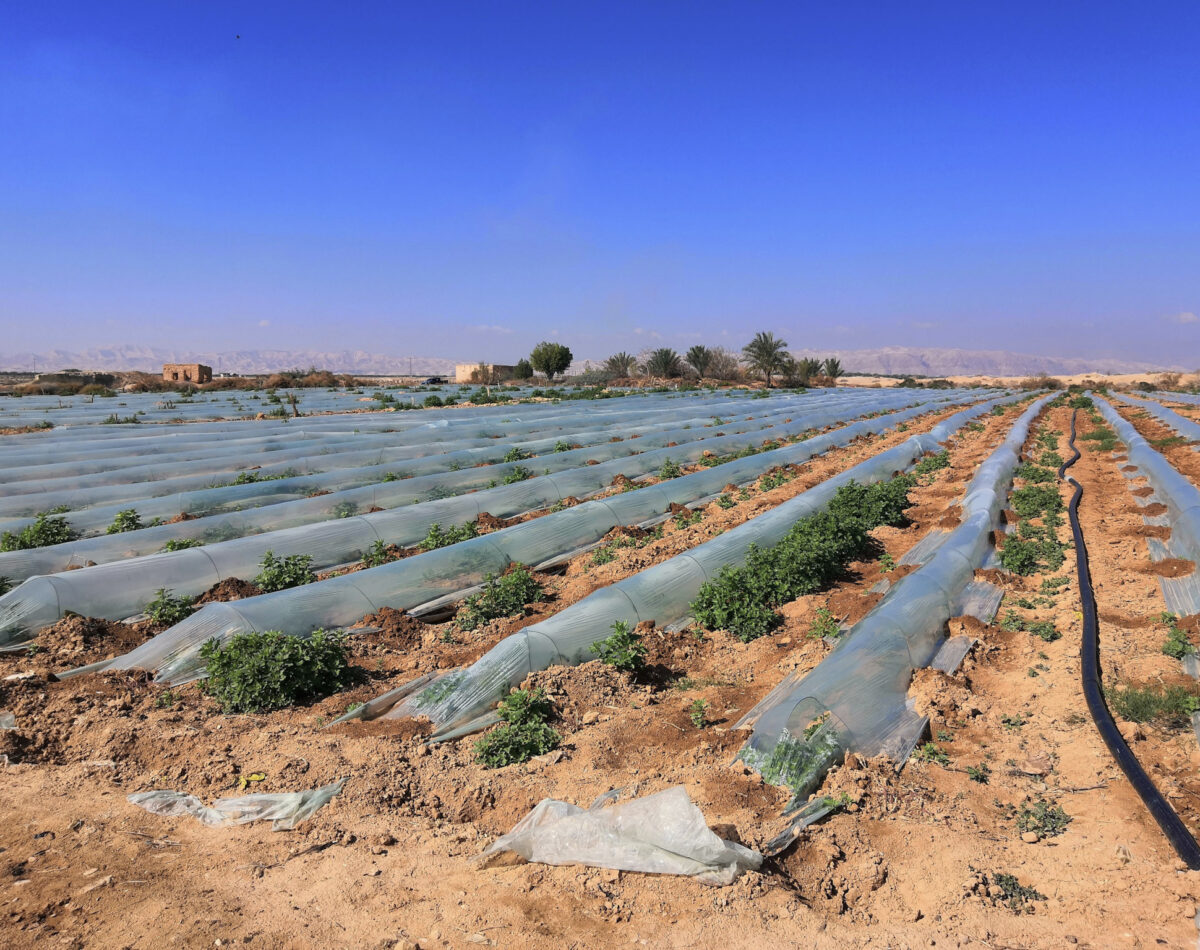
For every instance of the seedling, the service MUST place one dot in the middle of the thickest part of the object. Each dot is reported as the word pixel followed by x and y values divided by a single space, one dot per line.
pixel 126 520
pixel 516 454
pixel 726 501
pixel 504 596
pixel 293 570
pixel 929 752
pixel 824 624
pixel 518 473
pixel 523 733
pixel 437 538
pixel 1044 817
pixel 180 544
pixel 698 713
pixel 1012 721
pixel 167 609
pixel 980 773
pixel 670 469
pixel 887 563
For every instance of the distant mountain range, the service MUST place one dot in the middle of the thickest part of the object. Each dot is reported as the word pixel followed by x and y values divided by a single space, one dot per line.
pixel 922 361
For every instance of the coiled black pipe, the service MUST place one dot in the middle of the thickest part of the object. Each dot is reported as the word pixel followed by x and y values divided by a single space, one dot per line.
pixel 1170 823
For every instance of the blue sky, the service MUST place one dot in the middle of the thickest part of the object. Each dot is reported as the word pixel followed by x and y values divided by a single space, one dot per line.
pixel 462 180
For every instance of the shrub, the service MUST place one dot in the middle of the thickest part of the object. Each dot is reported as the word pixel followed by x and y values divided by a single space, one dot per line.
pixel 437 538
pixel 433 402
pixel 165 608
pixel 127 520
pixel 504 596
pixel 45 531
pixel 293 570
pixel 623 649
pixel 259 672
pixel 523 733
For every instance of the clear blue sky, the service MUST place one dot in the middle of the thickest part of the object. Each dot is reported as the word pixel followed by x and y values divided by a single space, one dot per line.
pixel 452 179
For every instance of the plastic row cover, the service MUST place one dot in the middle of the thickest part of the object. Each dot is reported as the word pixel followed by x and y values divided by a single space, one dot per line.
pixel 343 471
pixel 169 476
pixel 418 580
pixel 662 593
pixel 332 516
pixel 1173 489
pixel 858 693
pixel 1185 427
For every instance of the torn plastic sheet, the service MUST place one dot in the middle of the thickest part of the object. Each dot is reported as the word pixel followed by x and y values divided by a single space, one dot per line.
pixel 663 833
pixel 7 720
pixel 285 810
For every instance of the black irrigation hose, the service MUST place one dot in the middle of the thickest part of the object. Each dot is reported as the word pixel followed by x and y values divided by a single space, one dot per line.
pixel 1175 830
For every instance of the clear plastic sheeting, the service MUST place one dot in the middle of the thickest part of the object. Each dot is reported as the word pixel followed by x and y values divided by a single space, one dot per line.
pixel 1182 500
pixel 7 721
pixel 857 697
pixel 1185 427
pixel 662 593
pixel 663 833
pixel 414 581
pixel 284 810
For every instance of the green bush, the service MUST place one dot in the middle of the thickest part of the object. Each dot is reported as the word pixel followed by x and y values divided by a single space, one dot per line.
pixel 810 557
pixel 45 531
pixel 433 402
pixel 127 520
pixel 1032 550
pixel 293 570
pixel 623 649
pixel 504 596
pixel 437 538
pixel 523 733
pixel 259 672
pixel 165 608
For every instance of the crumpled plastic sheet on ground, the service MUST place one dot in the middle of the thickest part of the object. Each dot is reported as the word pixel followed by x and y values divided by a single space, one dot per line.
pixel 285 809
pixel 7 720
pixel 663 833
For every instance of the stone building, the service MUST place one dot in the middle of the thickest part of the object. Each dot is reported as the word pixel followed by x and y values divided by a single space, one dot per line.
pixel 482 372
pixel 186 373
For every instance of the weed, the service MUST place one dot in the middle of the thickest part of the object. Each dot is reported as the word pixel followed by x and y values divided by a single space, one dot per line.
pixel 929 752
pixel 670 469
pixel 1177 644
pixel 258 672
pixel 1013 721
pixel 980 773
pixel 169 610
pixel 887 563
pixel 179 544
pixel 623 648
pixel 698 713
pixel 292 570
pixel 1016 896
pixel 1171 705
pixel 824 624
pixel 166 699
pixel 726 501
pixel 523 732
pixel 437 538
pixel 1044 817
pixel 974 427
pixel 1106 440
pixel 504 596
pixel 45 531
pixel 687 518
pixel 126 520
pixel 603 555
pixel 1045 630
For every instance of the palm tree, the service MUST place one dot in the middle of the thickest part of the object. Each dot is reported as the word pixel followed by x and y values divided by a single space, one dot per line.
pixel 664 362
pixel 699 358
pixel 621 364
pixel 765 354
pixel 807 369
pixel 833 368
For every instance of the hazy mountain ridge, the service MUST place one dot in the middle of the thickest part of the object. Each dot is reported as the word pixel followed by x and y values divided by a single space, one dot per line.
pixel 925 361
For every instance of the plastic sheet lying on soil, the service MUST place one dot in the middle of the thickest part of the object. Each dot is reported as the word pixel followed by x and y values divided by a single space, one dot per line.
pixel 663 833
pixel 285 809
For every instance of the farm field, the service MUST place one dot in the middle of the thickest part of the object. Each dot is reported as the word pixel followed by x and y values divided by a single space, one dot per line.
pixel 846 621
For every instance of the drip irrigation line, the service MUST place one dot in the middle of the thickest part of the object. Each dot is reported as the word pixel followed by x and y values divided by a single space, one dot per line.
pixel 1170 823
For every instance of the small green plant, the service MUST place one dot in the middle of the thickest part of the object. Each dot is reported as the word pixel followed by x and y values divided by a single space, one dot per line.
pixel 1044 817
pixel 518 473
pixel 1012 721
pixel 1171 705
pixel 932 463
pixel 623 648
pixel 126 520
pixel 726 501
pixel 168 609
pixel 1052 585
pixel 379 554
pixel 1035 474
pixel 516 454
pixel 523 733
pixel 603 555
pixel 974 427
pixel 930 752
pixel 345 509
pixel 824 625
pixel 1016 896
pixel 561 446
pixel 980 773
pixel 45 531
pixel 437 538
pixel 165 699
pixel 887 563
pixel 670 469
pixel 276 573
pixel 1045 630
pixel 1106 440
pixel 1177 643
pixel 180 544
pixel 504 596
pixel 259 672
pixel 5 586
pixel 698 713
pixel 687 518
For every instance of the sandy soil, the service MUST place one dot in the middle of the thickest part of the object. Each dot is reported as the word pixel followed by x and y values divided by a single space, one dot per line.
pixel 392 862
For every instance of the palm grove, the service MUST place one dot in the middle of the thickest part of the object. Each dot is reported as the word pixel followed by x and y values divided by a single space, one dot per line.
pixel 765 357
